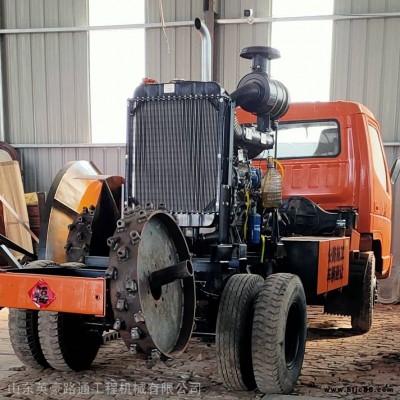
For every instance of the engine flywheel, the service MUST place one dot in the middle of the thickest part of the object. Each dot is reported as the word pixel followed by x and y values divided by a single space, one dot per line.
pixel 152 285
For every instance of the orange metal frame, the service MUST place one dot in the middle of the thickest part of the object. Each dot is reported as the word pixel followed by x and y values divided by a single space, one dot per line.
pixel 70 294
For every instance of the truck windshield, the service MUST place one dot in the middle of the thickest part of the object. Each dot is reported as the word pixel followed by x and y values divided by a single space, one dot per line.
pixel 307 139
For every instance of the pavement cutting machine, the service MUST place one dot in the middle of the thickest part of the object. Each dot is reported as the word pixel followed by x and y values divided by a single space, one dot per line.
pixel 195 239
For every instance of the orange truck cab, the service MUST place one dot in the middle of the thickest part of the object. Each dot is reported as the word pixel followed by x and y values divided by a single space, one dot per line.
pixel 332 154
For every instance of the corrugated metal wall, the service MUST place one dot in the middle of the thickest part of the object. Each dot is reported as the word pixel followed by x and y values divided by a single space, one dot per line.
pixel 175 52
pixel 366 68
pixel 184 59
pixel 46 74
pixel 41 165
pixel 233 38
pixel 47 82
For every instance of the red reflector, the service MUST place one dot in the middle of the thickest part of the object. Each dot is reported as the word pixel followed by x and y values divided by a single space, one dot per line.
pixel 41 294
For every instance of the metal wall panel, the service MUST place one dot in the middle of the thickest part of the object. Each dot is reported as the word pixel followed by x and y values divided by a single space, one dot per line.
pixel 366 63
pixel 175 52
pixel 41 164
pixel 233 38
pixel 365 68
pixel 46 74
pixel 183 61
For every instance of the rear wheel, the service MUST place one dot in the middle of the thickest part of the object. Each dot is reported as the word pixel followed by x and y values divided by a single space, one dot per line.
pixel 66 343
pixel 279 333
pixel 24 337
pixel 233 331
pixel 364 293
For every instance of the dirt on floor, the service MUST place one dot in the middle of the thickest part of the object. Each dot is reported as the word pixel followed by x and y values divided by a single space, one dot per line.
pixel 336 365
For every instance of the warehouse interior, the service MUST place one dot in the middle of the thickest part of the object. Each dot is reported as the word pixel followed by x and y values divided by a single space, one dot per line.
pixel 46 83
pixel 69 67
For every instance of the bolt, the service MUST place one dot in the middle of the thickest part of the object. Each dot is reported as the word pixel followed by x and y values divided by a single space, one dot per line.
pixel 113 242
pixel 111 273
pixel 121 223
pixel 138 317
pixel 149 206
pixel 142 216
pixel 123 253
pixel 134 348
pixel 128 210
pixel 89 228
pixel 117 325
pixel 153 358
pixel 131 286
pixel 161 206
pixel 122 305
pixel 135 236
pixel 85 248
pixel 80 236
pixel 85 210
pixel 136 333
pixel 155 354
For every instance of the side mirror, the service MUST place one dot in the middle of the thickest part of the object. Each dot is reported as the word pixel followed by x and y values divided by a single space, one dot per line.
pixel 394 172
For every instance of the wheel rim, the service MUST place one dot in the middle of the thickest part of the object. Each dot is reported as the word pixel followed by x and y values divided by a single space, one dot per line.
pixel 292 335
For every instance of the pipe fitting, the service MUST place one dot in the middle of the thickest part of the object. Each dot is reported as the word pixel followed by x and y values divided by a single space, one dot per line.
pixel 206 58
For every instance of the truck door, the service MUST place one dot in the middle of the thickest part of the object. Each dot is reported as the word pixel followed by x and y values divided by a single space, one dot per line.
pixel 381 196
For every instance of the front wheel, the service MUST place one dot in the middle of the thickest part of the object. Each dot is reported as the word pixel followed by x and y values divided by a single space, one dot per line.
pixel 279 333
pixel 365 292
pixel 233 331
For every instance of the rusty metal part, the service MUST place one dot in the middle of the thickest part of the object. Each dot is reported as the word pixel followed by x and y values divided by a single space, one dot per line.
pixel 162 277
pixel 90 230
pixel 80 235
pixel 153 323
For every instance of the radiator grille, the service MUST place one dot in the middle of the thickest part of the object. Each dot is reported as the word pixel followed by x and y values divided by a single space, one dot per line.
pixel 176 143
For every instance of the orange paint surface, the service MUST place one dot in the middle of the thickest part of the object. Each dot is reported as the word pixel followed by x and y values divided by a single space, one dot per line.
pixel 91 195
pixel 69 294
pixel 333 264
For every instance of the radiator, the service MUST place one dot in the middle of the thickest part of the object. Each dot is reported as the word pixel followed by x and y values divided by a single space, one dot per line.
pixel 177 140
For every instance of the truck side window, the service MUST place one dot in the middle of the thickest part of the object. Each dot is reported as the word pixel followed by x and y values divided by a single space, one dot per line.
pixel 377 156
pixel 307 139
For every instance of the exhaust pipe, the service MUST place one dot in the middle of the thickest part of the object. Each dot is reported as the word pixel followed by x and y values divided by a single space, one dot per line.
pixel 206 65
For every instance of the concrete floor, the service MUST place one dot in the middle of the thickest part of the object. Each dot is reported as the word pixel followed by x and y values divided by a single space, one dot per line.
pixel 336 365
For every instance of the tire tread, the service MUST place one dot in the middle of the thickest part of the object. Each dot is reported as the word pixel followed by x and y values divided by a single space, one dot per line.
pixel 237 300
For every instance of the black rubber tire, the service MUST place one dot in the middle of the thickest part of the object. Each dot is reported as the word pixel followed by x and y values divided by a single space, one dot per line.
pixel 66 344
pixel 279 333
pixel 365 293
pixel 24 337
pixel 233 331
